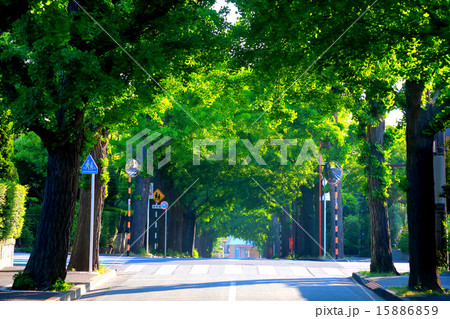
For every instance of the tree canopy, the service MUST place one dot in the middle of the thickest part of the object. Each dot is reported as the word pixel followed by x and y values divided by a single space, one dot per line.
pixel 245 108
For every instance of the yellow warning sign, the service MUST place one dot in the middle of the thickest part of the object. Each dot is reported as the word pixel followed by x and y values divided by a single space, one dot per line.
pixel 158 196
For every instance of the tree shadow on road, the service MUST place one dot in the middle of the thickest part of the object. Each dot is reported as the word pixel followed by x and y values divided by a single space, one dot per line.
pixel 312 289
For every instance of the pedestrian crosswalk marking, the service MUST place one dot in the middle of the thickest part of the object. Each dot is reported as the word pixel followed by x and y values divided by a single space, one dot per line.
pixel 267 270
pixel 233 269
pixel 333 271
pixel 166 270
pixel 134 268
pixel 300 271
pixel 199 270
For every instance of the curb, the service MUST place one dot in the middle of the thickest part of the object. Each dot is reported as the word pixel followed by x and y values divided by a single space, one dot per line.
pixel 377 288
pixel 77 291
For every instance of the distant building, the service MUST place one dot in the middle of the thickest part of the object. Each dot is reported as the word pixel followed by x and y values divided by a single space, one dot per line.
pixel 240 249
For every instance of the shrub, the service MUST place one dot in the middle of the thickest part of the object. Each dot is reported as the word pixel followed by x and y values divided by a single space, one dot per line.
pixel 61 285
pixel 12 209
pixel 352 234
pixel 23 281
pixel 447 230
pixel 403 240
pixel 31 221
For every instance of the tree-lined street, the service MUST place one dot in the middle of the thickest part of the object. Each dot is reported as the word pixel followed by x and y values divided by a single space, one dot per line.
pixel 234 124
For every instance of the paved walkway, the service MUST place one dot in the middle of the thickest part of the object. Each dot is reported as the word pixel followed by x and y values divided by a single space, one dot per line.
pixel 381 285
pixel 82 281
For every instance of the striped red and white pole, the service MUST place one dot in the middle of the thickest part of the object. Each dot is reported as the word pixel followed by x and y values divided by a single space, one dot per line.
pixel 129 216
pixel 336 221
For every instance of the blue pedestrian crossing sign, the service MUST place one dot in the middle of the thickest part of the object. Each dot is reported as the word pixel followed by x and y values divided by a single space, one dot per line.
pixel 89 166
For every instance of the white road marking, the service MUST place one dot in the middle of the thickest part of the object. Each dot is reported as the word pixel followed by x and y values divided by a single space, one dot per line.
pixel 233 269
pixel 199 270
pixel 232 293
pixel 267 270
pixel 300 271
pixel 333 271
pixel 134 268
pixel 166 270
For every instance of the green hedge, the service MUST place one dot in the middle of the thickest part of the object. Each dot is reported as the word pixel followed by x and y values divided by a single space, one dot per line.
pixel 403 240
pixel 12 209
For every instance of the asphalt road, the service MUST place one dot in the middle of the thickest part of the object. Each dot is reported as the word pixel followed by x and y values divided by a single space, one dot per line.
pixel 232 280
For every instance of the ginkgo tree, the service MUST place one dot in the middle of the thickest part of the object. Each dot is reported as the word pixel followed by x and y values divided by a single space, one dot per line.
pixel 410 39
pixel 69 68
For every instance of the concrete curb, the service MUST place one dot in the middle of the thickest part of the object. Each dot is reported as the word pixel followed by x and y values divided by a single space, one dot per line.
pixel 79 290
pixel 377 288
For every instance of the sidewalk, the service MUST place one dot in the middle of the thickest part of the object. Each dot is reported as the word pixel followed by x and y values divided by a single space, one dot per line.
pixel 82 282
pixel 380 286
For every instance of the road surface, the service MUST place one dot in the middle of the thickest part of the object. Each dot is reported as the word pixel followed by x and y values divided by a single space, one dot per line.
pixel 170 279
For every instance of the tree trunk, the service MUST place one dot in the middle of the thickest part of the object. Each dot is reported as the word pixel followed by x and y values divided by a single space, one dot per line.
pixel 380 244
pixel 48 258
pixel 296 231
pixel 175 223
pixel 307 221
pixel 139 218
pixel 205 244
pixel 286 232
pixel 79 259
pixel 276 236
pixel 188 231
pixel 420 196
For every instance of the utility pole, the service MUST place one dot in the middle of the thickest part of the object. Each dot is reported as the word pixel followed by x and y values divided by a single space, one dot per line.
pixel 440 209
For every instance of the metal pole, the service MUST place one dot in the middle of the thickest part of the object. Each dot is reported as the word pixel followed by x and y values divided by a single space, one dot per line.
pixel 129 216
pixel 150 197
pixel 156 229
pixel 320 202
pixel 324 224
pixel 336 221
pixel 165 233
pixel 91 237
pixel 148 223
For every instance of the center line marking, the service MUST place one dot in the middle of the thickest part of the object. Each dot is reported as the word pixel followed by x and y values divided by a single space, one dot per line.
pixel 232 293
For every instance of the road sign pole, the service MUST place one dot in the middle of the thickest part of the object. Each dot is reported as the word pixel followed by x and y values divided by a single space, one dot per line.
pixel 148 222
pixel 150 197
pixel 165 233
pixel 129 216
pixel 156 229
pixel 91 237
pixel 324 224
pixel 336 235
pixel 320 203
pixel 89 167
